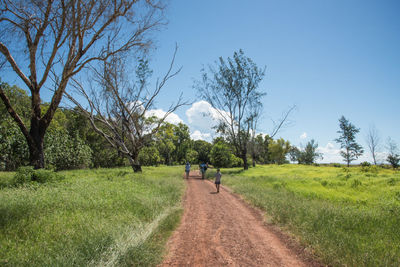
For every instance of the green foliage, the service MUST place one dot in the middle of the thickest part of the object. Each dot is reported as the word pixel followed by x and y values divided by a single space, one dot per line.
pixel 65 152
pixel 221 155
pixel 365 164
pixel 203 149
pixel 13 147
pixel 23 175
pixel 87 218
pixel 347 140
pixel 278 149
pixel 307 156
pixel 27 175
pixel 394 160
pixel 192 156
pixel 149 156
pixel 346 223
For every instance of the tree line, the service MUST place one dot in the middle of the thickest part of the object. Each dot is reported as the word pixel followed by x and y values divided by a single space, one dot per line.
pixel 88 48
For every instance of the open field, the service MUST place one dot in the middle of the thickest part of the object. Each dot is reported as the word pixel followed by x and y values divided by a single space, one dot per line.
pixel 93 217
pixel 346 216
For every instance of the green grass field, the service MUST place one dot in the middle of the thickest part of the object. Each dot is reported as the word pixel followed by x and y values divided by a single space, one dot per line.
pixel 348 217
pixel 100 217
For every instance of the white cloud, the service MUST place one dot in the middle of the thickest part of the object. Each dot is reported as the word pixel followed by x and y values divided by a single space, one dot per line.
pixel 159 113
pixel 303 136
pixel 201 115
pixel 330 154
pixel 197 135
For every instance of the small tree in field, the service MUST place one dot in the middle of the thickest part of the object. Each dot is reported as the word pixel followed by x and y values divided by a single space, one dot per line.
pixel 351 150
pixel 393 158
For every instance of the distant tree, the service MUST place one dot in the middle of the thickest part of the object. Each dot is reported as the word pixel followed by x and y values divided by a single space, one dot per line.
pixel 149 156
pixel 221 155
pixel 347 140
pixel 393 156
pixel 182 142
pixel 308 155
pixel 47 43
pixel 278 150
pixel 231 89
pixel 373 141
pixel 192 156
pixel 165 142
pixel 295 154
pixel 203 149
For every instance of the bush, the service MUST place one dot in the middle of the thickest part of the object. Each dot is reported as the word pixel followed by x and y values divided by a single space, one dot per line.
pixel 337 165
pixel 149 156
pixel 365 164
pixel 44 176
pixel 28 174
pixel 23 175
pixel 236 161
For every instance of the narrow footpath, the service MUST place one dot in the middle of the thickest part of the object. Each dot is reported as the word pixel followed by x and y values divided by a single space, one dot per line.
pixel 219 229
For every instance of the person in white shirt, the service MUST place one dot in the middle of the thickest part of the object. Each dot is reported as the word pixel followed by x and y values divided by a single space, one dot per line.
pixel 218 179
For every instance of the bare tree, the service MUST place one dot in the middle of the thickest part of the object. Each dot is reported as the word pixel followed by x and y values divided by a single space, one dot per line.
pixel 373 141
pixel 46 43
pixel 120 110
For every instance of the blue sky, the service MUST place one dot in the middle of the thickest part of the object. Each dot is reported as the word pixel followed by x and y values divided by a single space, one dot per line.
pixel 330 58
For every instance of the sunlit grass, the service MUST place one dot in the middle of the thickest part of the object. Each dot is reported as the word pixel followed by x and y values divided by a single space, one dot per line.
pixel 347 216
pixel 92 217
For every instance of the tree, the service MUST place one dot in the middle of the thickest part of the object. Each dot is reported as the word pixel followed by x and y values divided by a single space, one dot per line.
pixel 164 139
pixel 278 149
pixel 221 155
pixel 56 40
pixel 231 89
pixel 149 156
pixel 373 141
pixel 308 155
pixel 393 157
pixel 120 110
pixel 182 142
pixel 347 140
pixel 203 149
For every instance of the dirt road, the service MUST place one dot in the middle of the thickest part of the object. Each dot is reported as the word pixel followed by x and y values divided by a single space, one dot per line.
pixel 219 229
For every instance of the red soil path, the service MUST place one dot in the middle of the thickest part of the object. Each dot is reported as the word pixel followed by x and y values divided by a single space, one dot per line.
pixel 220 229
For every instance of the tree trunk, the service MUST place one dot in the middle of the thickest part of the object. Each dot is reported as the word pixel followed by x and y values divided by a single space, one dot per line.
pixel 253 157
pixel 36 148
pixel 136 166
pixel 244 158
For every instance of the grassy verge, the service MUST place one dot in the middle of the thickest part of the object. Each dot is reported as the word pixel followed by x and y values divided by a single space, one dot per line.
pixel 94 217
pixel 349 217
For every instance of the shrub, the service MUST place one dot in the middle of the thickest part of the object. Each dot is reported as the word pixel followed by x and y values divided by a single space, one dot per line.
pixel 337 165
pixel 28 174
pixel 44 176
pixel 23 175
pixel 365 164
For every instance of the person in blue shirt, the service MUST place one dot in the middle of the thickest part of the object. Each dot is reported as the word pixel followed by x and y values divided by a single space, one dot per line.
pixel 203 168
pixel 187 169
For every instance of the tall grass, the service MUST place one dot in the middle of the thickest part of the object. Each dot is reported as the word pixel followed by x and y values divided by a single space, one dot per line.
pixel 93 217
pixel 349 217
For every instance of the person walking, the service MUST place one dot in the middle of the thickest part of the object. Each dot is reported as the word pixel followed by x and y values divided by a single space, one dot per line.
pixel 218 179
pixel 203 168
pixel 187 169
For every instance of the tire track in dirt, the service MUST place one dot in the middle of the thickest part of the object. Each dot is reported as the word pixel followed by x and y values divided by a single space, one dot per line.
pixel 219 229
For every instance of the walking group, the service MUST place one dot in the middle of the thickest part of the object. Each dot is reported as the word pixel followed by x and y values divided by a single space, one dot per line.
pixel 203 168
